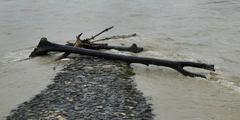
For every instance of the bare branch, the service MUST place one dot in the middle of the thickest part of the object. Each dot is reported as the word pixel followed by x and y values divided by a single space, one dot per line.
pixel 93 37
pixel 116 37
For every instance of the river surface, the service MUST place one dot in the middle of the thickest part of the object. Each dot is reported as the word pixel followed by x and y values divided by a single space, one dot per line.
pixel 193 30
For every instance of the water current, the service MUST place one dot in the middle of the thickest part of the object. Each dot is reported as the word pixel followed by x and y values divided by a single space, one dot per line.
pixel 192 30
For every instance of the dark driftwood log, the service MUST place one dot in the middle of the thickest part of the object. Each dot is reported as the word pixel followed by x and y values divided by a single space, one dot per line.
pixel 96 46
pixel 45 46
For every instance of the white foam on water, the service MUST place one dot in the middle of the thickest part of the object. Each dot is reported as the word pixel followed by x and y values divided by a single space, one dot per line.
pixel 226 81
pixel 229 85
pixel 217 77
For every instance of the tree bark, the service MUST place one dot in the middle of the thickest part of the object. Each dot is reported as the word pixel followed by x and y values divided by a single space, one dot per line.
pixel 45 46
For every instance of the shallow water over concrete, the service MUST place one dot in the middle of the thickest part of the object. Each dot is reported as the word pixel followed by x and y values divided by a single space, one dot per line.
pixel 175 97
pixel 204 31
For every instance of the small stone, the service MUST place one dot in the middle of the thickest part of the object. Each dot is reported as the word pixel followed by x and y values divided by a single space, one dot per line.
pixel 88 68
pixel 59 117
pixel 81 76
pixel 108 66
pixel 67 82
pixel 94 83
pixel 69 99
pixel 65 59
pixel 130 107
pixel 76 107
pixel 132 115
pixel 91 93
pixel 100 107
pixel 124 114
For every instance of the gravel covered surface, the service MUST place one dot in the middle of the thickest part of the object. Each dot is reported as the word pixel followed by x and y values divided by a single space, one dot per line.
pixel 88 88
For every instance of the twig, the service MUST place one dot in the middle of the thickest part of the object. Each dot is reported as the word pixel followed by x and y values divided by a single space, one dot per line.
pixel 93 37
pixel 116 37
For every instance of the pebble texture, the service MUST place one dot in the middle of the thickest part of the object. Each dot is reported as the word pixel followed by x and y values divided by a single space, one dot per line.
pixel 90 89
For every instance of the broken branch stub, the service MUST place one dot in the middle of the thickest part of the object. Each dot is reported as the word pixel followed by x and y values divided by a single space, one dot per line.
pixel 45 46
pixel 76 44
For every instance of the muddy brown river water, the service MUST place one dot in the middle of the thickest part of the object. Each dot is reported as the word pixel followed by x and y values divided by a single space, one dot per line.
pixel 194 30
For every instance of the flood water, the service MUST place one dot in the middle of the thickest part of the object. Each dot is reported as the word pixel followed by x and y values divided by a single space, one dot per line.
pixel 193 30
